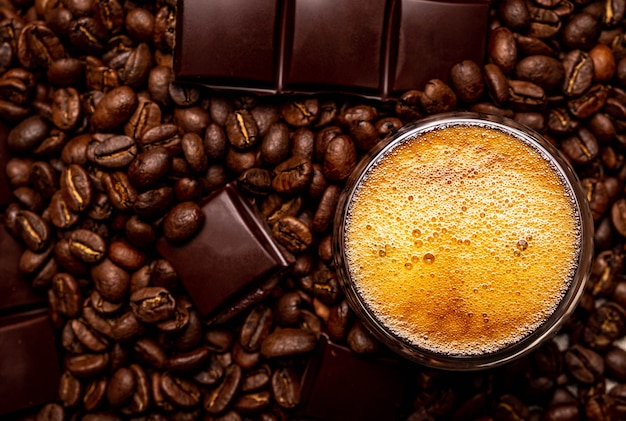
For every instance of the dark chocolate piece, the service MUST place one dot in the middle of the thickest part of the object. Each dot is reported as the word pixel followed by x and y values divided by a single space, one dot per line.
pixel 232 254
pixel 6 195
pixel 15 291
pixel 341 385
pixel 377 48
pixel 29 365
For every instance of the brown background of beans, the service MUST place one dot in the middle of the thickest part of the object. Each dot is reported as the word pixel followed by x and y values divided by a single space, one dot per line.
pixel 109 154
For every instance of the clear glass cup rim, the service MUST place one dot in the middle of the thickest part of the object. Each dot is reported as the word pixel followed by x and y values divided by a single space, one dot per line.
pixel 548 328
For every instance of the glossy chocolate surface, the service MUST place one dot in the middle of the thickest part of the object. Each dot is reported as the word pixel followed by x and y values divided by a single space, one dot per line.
pixel 29 366
pixel 376 48
pixel 232 253
pixel 338 385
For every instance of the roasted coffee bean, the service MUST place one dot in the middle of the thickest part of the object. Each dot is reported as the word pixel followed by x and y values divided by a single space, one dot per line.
pixel 182 222
pixel 437 97
pixel 581 32
pixel 150 352
pixel 241 130
pixel 514 14
pixel 287 342
pixel 87 245
pixel 502 49
pixel 589 103
pixel 255 328
pixel 183 94
pixel 149 168
pixel 497 84
pixel 338 321
pixel 286 387
pixel 152 304
pixel 292 175
pixel 33 230
pixel 255 181
pixel 126 327
pixel 70 390
pixel 253 402
pixel 326 209
pixel 87 365
pixel 121 387
pixel 146 116
pixel 579 72
pixel 51 412
pixel 102 306
pixel 292 233
pixel 123 254
pixel 223 395
pixel 360 340
pixel 193 150
pixel 27 135
pixel 111 281
pixel 115 108
pixel 38 46
pixel 67 294
pixel 90 340
pixel 602 127
pixel 606 324
pixel 153 203
pixel 113 152
pixel 76 187
pixel 180 391
pixel 544 71
pixel 28 198
pixel 300 112
pixel 122 194
pixel 582 147
pixel 190 361
pixel 526 96
pixel 467 81
pixel 339 158
pixel 165 135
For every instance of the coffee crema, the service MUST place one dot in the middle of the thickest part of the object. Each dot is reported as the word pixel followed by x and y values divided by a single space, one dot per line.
pixel 462 240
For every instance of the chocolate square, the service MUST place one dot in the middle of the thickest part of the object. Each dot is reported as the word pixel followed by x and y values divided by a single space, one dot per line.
pixel 15 291
pixel 227 42
pixel 29 365
pixel 341 385
pixel 336 44
pixel 232 253
pixel 432 36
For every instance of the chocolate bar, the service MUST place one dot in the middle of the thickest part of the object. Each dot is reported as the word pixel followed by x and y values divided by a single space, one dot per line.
pixel 232 253
pixel 376 48
pixel 341 385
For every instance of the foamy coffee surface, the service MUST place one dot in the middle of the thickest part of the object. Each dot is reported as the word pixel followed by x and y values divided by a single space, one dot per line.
pixel 463 240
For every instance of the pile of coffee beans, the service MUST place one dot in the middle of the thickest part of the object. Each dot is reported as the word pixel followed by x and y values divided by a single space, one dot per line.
pixel 109 154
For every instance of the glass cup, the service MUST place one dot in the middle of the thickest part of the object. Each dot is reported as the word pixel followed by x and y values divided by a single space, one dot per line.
pixel 413 248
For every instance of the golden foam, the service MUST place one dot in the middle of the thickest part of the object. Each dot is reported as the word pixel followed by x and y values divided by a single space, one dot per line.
pixel 462 241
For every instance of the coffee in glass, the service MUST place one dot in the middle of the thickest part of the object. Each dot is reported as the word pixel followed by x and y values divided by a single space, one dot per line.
pixel 464 241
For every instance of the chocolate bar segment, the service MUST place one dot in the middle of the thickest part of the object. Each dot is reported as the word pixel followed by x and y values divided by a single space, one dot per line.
pixel 232 253
pixel 432 36
pixel 335 45
pixel 228 42
pixel 341 385
pixel 377 48
pixel 29 364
